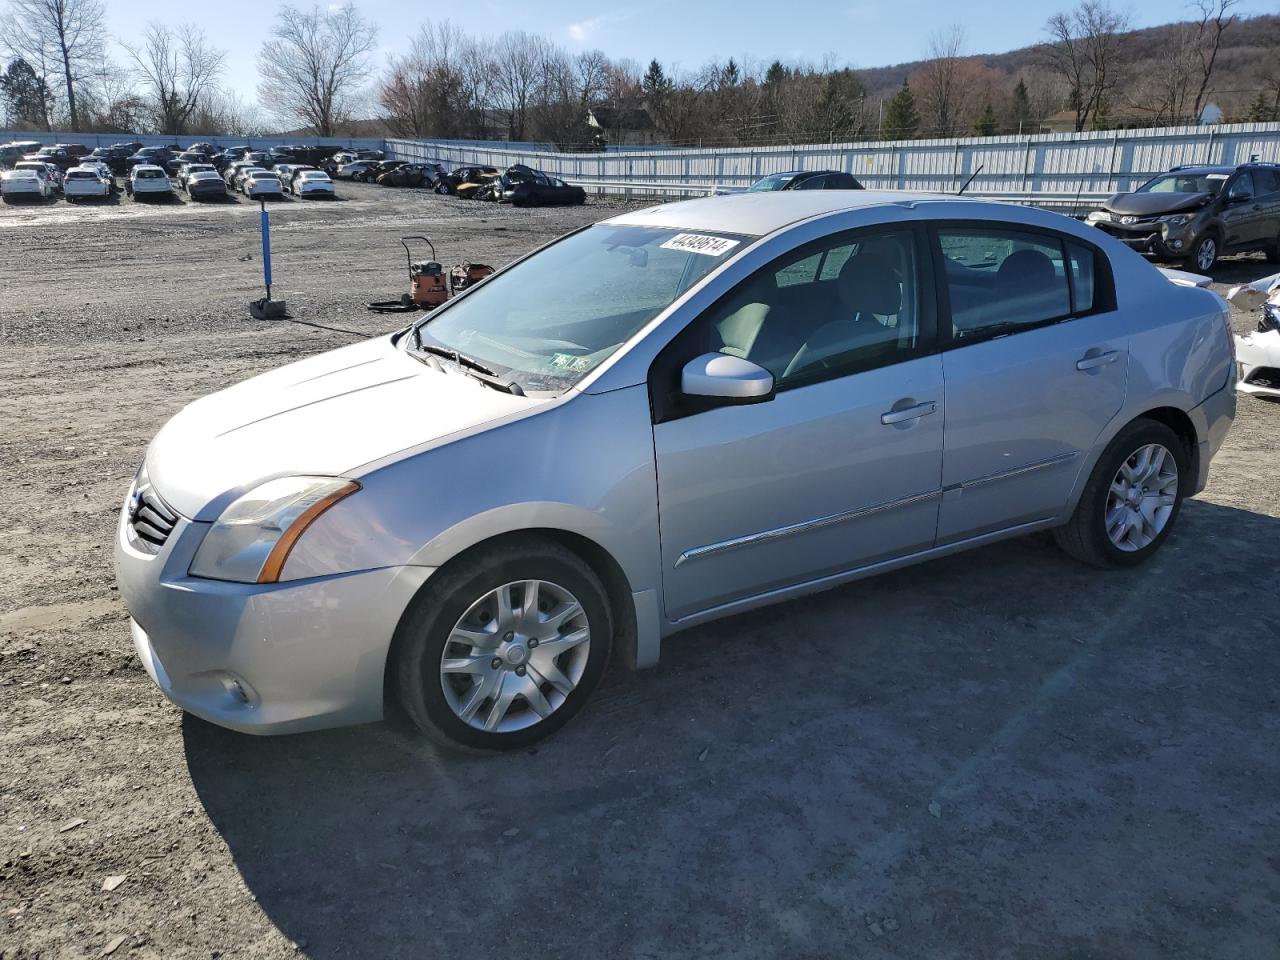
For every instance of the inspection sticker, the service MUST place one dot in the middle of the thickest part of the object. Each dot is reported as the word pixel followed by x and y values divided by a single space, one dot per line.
pixel 700 243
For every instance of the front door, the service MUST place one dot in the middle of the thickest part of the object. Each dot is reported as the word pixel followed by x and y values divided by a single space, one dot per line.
pixel 841 468
pixel 1034 371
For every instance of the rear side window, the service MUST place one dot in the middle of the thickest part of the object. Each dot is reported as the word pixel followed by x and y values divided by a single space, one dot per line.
pixel 1266 181
pixel 999 281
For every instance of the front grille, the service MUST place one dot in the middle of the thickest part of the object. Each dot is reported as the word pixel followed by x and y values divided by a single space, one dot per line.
pixel 151 520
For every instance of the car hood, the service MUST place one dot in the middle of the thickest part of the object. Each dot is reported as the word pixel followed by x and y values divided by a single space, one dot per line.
pixel 327 416
pixel 1150 204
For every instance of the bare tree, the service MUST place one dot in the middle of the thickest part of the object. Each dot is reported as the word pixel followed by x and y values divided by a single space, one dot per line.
pixel 519 59
pixel 65 33
pixel 1216 19
pixel 939 83
pixel 1086 53
pixel 177 68
pixel 314 64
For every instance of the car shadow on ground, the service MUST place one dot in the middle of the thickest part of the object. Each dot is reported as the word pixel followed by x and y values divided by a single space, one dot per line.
pixel 999 748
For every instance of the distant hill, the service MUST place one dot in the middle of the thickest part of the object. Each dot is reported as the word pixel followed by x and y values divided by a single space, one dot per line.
pixel 1250 49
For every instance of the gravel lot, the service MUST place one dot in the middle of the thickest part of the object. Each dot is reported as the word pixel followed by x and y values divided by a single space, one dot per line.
pixel 1002 754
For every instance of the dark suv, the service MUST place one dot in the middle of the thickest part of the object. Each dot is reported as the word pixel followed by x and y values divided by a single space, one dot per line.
pixel 805 180
pixel 1196 214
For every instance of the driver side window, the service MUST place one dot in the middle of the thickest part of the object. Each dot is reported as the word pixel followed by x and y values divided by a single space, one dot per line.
pixel 846 303
pixel 1241 187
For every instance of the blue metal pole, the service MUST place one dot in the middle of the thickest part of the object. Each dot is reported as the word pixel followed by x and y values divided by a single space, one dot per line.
pixel 266 247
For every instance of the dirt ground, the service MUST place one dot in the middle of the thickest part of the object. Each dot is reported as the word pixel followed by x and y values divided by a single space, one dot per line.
pixel 1002 754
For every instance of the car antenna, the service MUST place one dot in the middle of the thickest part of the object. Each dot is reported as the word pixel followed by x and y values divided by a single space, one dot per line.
pixel 972 176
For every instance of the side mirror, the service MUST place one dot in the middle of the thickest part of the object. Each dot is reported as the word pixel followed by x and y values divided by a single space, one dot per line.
pixel 726 379
pixel 1234 198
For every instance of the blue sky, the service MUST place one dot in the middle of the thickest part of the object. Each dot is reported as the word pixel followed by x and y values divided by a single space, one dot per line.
pixel 688 33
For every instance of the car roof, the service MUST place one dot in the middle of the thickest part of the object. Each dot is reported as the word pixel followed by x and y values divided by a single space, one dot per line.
pixel 1204 168
pixel 758 214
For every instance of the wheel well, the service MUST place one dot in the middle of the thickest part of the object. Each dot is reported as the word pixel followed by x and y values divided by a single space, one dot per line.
pixel 1178 421
pixel 602 563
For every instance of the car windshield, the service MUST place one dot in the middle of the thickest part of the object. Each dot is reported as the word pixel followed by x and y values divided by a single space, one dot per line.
pixel 778 181
pixel 150 174
pixel 1185 183
pixel 314 175
pixel 550 319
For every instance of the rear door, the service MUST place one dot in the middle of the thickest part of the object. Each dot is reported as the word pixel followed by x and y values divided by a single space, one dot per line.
pixel 1035 366
pixel 1267 183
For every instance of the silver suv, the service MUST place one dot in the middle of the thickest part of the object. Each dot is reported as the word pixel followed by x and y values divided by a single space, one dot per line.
pixel 671 416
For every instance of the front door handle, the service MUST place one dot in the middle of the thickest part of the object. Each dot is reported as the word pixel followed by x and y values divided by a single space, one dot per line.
pixel 1097 360
pixel 908 413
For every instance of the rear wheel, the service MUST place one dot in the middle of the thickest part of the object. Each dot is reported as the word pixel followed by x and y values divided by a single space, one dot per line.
pixel 504 648
pixel 1273 251
pixel 1131 500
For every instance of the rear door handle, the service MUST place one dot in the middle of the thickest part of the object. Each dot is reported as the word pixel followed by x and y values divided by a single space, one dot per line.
pixel 909 413
pixel 1098 360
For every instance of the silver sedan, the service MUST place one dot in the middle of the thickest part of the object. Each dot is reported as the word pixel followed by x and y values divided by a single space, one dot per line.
pixel 674 415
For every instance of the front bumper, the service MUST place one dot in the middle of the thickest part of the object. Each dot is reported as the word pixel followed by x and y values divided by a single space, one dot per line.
pixel 1258 355
pixel 1149 238
pixel 261 658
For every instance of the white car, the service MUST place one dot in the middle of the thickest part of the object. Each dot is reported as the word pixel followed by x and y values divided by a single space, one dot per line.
pixel 262 183
pixel 24 183
pixel 187 169
pixel 1258 351
pixel 47 170
pixel 103 168
pixel 313 183
pixel 238 178
pixel 149 181
pixel 85 182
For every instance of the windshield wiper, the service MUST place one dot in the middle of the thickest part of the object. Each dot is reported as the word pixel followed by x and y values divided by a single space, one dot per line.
pixel 461 359
pixel 473 368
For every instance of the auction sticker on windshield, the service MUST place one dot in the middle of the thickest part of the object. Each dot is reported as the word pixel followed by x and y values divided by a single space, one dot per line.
pixel 700 243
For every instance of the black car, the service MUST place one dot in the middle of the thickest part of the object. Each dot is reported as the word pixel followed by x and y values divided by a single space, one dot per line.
pixel 464 181
pixel 805 180
pixel 1196 214
pixel 525 187
pixel 56 155
pixel 114 157
pixel 377 169
pixel 208 149
pixel 153 156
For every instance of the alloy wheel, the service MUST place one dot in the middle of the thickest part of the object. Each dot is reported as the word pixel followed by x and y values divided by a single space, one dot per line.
pixel 515 656
pixel 1142 496
pixel 1206 253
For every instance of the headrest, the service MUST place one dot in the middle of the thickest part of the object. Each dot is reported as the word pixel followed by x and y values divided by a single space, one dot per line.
pixel 1026 270
pixel 868 283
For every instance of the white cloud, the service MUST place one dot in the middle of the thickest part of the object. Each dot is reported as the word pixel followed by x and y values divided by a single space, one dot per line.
pixel 582 31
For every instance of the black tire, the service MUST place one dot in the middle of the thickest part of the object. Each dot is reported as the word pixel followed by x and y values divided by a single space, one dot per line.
pixel 420 638
pixel 1084 536
pixel 1193 261
pixel 1273 251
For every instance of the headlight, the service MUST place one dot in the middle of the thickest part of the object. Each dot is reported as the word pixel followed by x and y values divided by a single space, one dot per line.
pixel 1098 216
pixel 1177 220
pixel 251 541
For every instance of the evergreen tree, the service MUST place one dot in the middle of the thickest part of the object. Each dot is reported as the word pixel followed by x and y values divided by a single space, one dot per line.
pixel 1260 111
pixel 730 75
pixel 986 124
pixel 655 83
pixel 25 96
pixel 1020 109
pixel 901 121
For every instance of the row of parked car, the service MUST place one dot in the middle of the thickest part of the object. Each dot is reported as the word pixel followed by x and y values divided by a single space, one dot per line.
pixel 76 172
pixel 519 185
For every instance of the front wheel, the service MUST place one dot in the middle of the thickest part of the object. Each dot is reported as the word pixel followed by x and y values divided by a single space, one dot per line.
pixel 505 647
pixel 1132 498
pixel 1205 254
